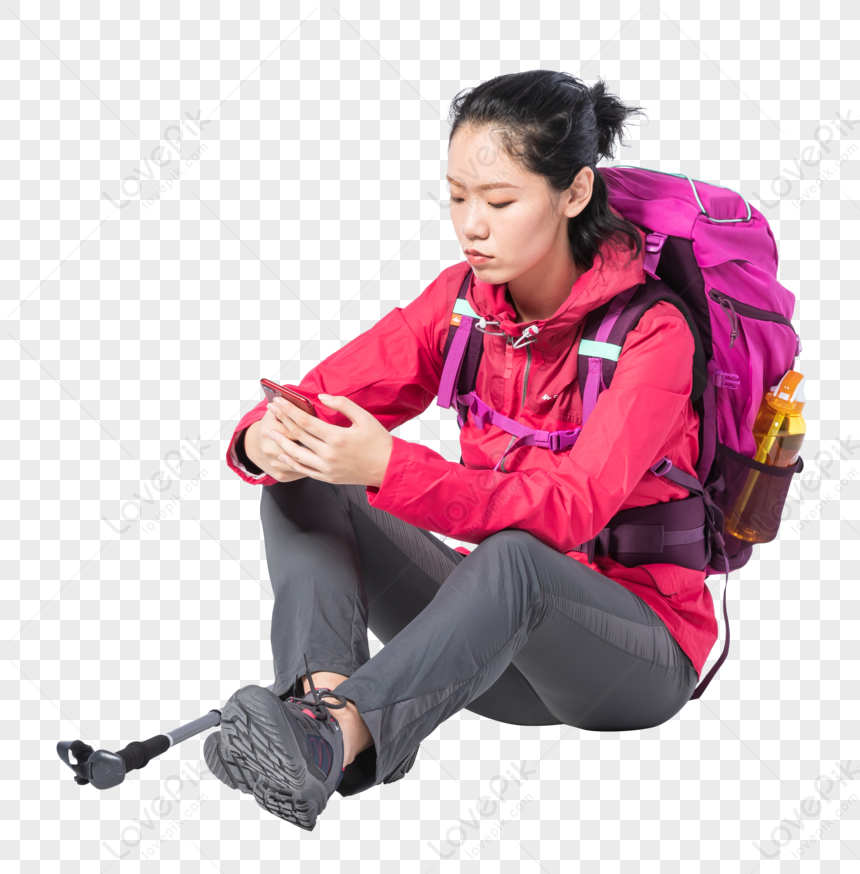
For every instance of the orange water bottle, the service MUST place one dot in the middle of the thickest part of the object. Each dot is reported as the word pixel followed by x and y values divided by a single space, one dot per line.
pixel 778 430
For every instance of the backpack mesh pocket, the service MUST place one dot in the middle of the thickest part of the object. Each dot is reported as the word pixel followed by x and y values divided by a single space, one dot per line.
pixel 752 498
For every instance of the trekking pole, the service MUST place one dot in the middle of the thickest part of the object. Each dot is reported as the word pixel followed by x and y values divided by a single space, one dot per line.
pixel 105 769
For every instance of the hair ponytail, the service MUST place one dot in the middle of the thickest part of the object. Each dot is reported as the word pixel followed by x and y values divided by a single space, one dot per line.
pixel 611 117
pixel 554 125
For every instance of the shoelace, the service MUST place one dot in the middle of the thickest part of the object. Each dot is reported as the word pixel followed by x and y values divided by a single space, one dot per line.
pixel 322 707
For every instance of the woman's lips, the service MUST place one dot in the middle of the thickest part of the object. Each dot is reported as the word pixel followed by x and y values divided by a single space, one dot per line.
pixel 478 259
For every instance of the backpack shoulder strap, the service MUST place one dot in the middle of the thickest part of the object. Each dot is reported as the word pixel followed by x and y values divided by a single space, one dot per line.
pixel 462 355
pixel 606 329
pixel 461 308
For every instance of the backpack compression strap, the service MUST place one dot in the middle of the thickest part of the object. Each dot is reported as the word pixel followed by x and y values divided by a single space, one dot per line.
pixel 714 522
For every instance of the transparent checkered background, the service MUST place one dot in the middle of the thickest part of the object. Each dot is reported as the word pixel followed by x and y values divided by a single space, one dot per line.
pixel 155 267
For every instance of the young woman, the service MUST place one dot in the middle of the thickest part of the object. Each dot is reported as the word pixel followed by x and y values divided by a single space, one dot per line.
pixel 522 629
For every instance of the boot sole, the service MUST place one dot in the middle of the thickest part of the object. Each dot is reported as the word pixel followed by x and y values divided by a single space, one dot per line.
pixel 255 735
pixel 231 774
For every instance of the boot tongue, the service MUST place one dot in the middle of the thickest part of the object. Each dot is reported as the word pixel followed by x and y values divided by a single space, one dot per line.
pixel 320 749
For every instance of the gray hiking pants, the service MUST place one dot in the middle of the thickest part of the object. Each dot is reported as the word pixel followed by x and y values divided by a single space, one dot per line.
pixel 516 631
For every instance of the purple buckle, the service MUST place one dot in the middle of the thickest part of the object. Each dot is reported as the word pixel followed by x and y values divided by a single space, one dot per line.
pixel 481 416
pixel 665 466
pixel 568 438
pixel 653 245
pixel 726 380
pixel 556 440
pixel 546 440
pixel 543 439
pixel 654 242
pixel 720 378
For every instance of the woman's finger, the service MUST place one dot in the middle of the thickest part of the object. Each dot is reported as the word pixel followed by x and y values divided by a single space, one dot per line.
pixel 294 453
pixel 301 468
pixel 283 419
pixel 302 434
pixel 307 424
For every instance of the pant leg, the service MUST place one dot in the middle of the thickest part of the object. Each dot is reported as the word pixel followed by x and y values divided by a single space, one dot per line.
pixel 338 567
pixel 338 564
pixel 320 604
pixel 595 653
pixel 402 575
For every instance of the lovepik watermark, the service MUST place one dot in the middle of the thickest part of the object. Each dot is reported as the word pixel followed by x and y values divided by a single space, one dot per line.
pixel 180 149
pixel 823 806
pixel 162 817
pixel 489 807
pixel 787 185
pixel 153 491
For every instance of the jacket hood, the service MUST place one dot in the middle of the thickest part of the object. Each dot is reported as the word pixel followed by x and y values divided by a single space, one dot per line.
pixel 592 289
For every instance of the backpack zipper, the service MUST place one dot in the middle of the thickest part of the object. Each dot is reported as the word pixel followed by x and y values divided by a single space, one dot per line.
pixel 522 403
pixel 747 310
pixel 726 305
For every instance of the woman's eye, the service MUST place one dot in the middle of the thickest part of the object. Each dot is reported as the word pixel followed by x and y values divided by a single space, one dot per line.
pixel 495 205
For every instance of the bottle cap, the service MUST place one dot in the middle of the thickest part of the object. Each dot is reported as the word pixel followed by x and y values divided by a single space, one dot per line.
pixel 788 395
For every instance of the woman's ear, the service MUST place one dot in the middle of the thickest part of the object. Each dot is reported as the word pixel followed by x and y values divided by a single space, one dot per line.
pixel 579 193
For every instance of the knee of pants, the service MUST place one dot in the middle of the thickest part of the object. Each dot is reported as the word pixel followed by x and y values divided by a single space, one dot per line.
pixel 507 557
pixel 304 485
pixel 507 541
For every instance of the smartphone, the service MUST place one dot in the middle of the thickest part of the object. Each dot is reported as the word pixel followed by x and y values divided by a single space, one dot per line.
pixel 272 390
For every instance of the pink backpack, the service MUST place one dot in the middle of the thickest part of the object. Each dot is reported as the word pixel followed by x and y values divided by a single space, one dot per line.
pixel 713 256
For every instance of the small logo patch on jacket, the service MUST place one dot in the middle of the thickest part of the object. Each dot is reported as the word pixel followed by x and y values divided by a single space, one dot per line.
pixel 546 397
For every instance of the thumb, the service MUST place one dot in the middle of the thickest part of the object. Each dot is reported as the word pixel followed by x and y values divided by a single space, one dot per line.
pixel 349 408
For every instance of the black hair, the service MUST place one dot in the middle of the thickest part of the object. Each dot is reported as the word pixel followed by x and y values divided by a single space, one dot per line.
pixel 554 124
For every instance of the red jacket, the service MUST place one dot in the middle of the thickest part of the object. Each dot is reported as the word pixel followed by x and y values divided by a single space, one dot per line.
pixel 393 371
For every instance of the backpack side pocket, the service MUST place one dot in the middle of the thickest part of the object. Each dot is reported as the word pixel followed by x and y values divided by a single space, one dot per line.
pixel 751 499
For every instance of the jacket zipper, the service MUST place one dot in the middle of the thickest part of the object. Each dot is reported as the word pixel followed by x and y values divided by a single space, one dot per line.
pixel 522 404
pixel 735 308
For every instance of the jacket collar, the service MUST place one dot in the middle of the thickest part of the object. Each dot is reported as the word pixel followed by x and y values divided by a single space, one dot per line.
pixel 592 289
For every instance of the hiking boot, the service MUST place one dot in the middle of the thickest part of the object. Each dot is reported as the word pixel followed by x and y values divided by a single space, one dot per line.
pixel 288 754
pixel 231 773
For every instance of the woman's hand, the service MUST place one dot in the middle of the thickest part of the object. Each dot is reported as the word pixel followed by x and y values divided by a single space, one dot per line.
pixel 264 452
pixel 355 455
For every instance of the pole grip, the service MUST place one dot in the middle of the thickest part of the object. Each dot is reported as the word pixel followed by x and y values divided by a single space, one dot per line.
pixel 137 755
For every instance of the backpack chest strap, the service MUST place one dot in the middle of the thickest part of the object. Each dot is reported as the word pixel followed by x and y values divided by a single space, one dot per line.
pixel 555 441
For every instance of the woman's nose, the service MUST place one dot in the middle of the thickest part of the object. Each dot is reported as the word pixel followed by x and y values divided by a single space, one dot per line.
pixel 473 225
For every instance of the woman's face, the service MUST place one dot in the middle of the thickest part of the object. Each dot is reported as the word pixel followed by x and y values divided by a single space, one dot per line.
pixel 518 220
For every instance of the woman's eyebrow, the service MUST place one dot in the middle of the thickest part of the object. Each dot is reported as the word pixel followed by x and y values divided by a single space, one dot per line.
pixel 489 186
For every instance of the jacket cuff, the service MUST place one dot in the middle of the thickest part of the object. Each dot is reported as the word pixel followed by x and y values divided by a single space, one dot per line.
pixel 384 496
pixel 234 463
pixel 245 463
